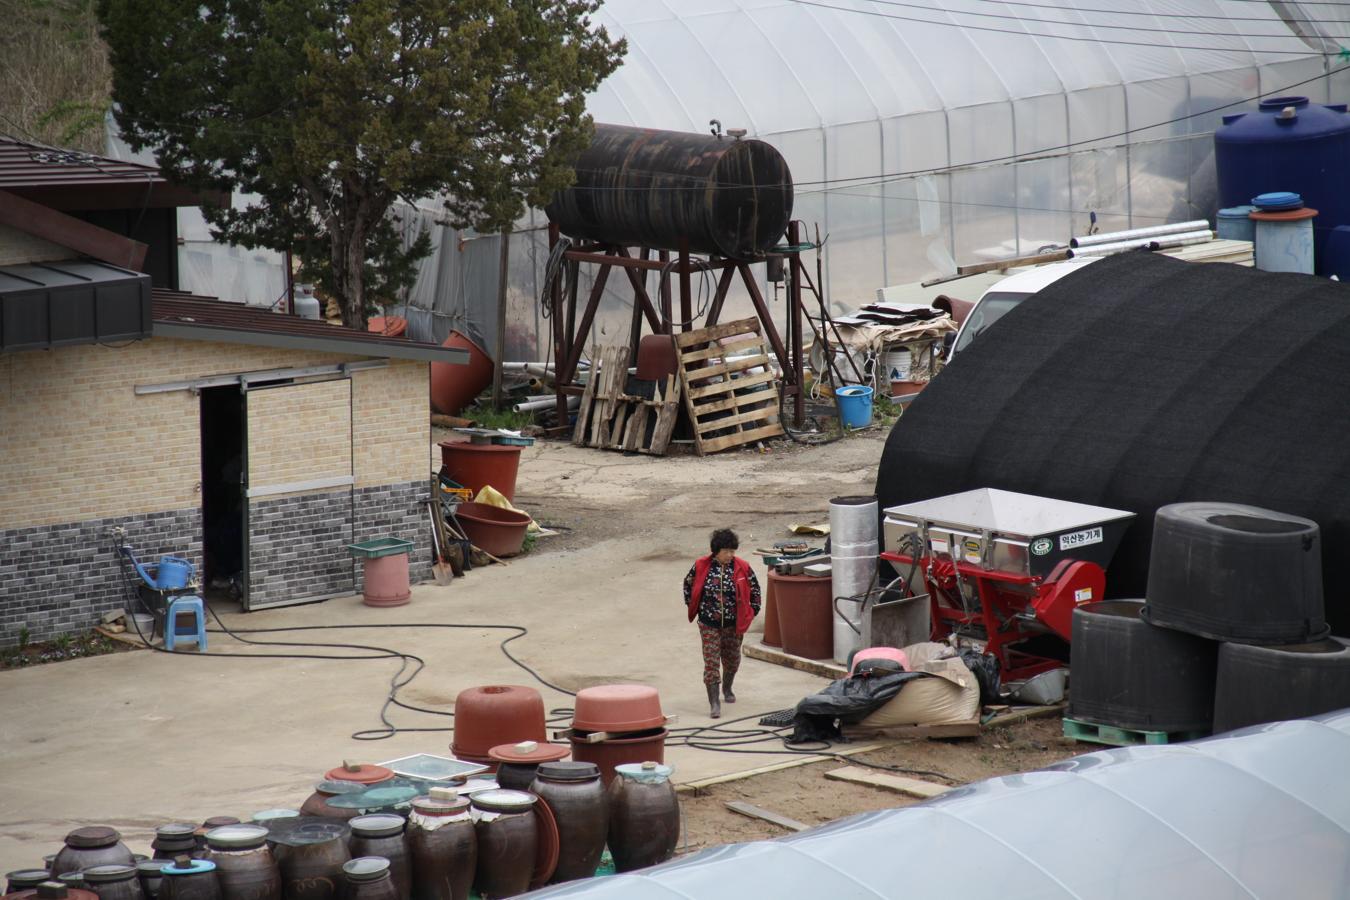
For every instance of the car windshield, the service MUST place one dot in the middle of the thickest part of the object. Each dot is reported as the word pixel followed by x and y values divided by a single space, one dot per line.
pixel 989 310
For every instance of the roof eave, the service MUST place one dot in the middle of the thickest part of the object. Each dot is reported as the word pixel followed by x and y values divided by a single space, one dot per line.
pixel 322 344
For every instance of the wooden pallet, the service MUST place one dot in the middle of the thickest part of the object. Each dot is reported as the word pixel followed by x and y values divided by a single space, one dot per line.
pixel 1096 733
pixel 722 394
pixel 611 419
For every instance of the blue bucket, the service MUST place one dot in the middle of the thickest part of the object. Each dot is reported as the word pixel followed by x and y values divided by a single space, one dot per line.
pixel 855 405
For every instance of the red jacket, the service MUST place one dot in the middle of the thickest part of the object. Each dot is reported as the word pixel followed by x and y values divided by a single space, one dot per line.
pixel 745 614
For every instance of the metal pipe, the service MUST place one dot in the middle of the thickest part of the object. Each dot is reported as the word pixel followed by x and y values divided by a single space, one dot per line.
pixel 1116 237
pixel 573 401
pixel 1166 242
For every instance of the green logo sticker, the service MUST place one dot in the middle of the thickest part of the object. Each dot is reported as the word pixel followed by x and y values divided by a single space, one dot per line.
pixel 1042 546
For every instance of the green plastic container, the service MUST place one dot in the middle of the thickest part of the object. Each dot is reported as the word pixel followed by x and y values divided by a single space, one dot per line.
pixel 380 546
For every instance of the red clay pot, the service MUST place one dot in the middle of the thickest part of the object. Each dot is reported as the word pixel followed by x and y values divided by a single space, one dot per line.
pixel 617 751
pixel 453 387
pixel 804 614
pixel 486 717
pixel 389 326
pixel 773 636
pixel 500 532
pixel 478 465
pixel 363 773
pixel 386 581
pixel 618 707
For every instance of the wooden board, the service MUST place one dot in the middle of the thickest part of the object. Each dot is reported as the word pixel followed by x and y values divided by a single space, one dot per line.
pixel 765 815
pixel 609 418
pixel 887 781
pixel 716 332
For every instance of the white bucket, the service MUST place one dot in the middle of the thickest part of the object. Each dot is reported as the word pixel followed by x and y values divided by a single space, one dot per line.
pixel 898 364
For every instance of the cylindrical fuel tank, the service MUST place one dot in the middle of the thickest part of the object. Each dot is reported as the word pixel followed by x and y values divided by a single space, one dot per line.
pixel 648 188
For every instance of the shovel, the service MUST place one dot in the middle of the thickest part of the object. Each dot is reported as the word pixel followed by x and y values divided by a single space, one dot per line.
pixel 440 569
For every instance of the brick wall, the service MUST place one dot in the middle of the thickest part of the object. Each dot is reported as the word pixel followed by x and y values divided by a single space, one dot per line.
pixel 397 510
pixel 297 548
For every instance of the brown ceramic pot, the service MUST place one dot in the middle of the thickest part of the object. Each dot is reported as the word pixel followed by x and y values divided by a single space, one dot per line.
pixel 317 803
pixel 636 748
pixel 245 866
pixel 189 879
pixel 174 840
pixel 114 882
pixel 213 822
pixel 444 848
pixel 518 762
pixel 151 874
pixel 311 866
pixel 382 835
pixel 508 842
pixel 576 797
pixel 93 845
pixel 486 717
pixel 644 816
pixel 368 878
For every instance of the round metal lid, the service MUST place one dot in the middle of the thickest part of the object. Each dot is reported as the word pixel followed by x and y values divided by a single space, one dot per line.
pixel 569 770
pixel 23 879
pixel 503 801
pixel 434 806
pixel 267 815
pixel 375 798
pixel 646 772
pixel 229 837
pixel 193 867
pixel 176 831
pixel 103 874
pixel 364 773
pixel 92 836
pixel 366 868
pixel 379 825
pixel 153 867
pixel 529 752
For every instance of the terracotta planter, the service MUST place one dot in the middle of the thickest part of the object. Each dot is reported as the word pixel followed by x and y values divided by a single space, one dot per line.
pixel 773 636
pixel 500 532
pixel 478 465
pixel 454 387
pixel 486 717
pixel 805 614
pixel 618 707
pixel 389 326
pixel 617 751
pixel 386 581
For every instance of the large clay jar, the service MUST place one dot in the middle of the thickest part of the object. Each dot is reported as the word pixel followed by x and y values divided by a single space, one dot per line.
pixel 517 763
pixel 114 882
pixel 368 878
pixel 174 840
pixel 208 825
pixel 576 797
pixel 93 845
pixel 317 803
pixel 189 879
pixel 245 866
pixel 25 879
pixel 486 717
pixel 444 848
pixel 382 835
pixel 151 875
pixel 644 816
pixel 508 841
pixel 311 865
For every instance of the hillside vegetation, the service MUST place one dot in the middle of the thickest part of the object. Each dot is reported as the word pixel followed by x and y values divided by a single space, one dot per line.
pixel 55 78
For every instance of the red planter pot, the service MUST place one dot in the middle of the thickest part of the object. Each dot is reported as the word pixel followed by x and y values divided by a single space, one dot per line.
pixel 454 387
pixel 386 580
pixel 617 751
pixel 805 614
pixel 773 635
pixel 500 532
pixel 478 465
pixel 618 707
pixel 486 717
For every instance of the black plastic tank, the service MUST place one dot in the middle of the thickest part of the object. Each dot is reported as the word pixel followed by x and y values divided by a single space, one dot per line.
pixel 1272 684
pixel 1134 675
pixel 1236 573
pixel 638 187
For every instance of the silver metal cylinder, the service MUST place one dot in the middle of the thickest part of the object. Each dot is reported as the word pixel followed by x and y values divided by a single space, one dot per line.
pixel 853 566
pixel 1165 242
pixel 1115 237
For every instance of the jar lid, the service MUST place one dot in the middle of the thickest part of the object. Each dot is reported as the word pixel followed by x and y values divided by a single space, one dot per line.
pixel 229 837
pixel 645 773
pixel 378 825
pixel 153 867
pixel 103 874
pixel 333 786
pixel 529 752
pixel 92 836
pixel 176 831
pixel 192 867
pixel 219 822
pixel 569 770
pixel 377 797
pixel 1277 200
pixel 72 879
pixel 434 806
pixel 363 773
pixel 267 815
pixel 503 801
pixel 22 879
pixel 366 868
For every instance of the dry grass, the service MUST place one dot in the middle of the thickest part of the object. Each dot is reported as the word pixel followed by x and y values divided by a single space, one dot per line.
pixel 54 73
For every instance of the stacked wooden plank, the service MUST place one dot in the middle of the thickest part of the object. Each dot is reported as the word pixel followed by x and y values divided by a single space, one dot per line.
pixel 730 389
pixel 609 418
pixel 1236 252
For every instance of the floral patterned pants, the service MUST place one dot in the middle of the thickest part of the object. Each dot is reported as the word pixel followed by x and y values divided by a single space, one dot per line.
pixel 722 644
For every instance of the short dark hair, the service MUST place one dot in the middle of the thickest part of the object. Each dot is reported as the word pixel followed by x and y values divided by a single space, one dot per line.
pixel 723 539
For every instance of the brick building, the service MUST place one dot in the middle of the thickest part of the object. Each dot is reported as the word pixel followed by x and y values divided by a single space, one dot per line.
pixel 255 443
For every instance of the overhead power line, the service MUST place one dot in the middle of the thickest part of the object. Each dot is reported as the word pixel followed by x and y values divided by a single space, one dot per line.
pixel 1060 7
pixel 1060 37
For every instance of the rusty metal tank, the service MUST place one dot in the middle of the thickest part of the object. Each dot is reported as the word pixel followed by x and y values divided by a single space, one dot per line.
pixel 648 188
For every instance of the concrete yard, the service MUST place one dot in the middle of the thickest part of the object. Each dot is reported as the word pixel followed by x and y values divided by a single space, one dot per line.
pixel 139 739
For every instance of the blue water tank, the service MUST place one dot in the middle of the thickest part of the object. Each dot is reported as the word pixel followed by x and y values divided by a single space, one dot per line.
pixel 1289 145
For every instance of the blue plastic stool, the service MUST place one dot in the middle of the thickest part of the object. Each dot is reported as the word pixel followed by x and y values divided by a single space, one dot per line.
pixel 185 604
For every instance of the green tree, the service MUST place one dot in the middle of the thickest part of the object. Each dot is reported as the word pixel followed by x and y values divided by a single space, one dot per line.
pixel 331 110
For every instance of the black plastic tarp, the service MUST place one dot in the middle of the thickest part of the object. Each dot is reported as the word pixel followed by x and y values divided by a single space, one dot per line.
pixel 1140 381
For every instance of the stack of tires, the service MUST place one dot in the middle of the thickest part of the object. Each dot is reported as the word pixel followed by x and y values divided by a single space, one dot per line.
pixel 1232 633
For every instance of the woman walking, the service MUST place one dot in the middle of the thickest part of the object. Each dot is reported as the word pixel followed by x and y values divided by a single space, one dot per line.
pixel 721 591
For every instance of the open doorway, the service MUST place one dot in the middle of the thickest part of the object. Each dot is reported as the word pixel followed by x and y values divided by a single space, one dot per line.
pixel 224 427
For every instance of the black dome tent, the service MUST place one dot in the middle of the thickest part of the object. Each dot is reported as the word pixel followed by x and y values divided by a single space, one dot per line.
pixel 1139 381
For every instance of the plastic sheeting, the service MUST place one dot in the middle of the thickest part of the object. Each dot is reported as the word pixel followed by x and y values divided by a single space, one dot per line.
pixel 1260 813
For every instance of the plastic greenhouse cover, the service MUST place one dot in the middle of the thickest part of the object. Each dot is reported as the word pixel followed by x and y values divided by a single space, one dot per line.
pixel 1260 813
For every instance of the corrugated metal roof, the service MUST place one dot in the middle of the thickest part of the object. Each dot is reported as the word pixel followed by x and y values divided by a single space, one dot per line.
pixel 195 317
pixel 70 179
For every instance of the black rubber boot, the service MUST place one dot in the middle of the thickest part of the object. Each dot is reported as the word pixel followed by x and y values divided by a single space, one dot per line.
pixel 714 703
pixel 727 695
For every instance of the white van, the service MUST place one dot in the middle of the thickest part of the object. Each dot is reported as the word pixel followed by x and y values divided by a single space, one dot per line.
pixel 995 302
